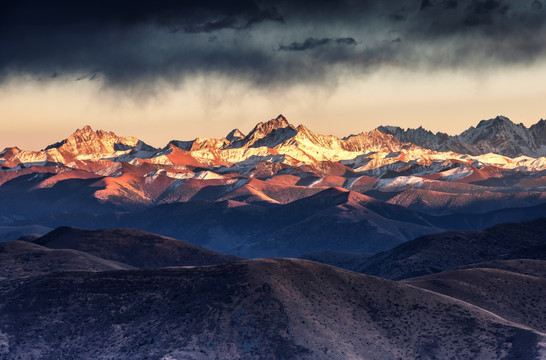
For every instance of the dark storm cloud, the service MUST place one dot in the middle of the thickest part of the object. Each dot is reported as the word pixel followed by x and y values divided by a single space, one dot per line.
pixel 444 4
pixel 311 43
pixel 202 15
pixel 308 44
pixel 128 43
pixel 346 41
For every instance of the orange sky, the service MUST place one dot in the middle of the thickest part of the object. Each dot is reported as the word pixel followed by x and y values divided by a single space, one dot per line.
pixel 35 114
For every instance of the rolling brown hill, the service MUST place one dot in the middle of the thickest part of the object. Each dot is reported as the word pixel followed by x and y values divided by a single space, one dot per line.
pixel 257 309
pixel 449 250
pixel 512 294
pixel 137 248
pixel 22 259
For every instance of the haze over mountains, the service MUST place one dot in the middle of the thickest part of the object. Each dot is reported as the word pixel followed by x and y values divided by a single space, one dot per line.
pixel 361 193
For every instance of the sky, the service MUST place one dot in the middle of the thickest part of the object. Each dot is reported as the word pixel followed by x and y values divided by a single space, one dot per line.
pixel 167 70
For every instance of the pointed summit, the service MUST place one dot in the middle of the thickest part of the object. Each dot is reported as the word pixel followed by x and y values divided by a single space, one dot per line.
pixel 269 133
pixel 281 118
pixel 86 142
pixel 86 129
pixel 499 135
pixel 9 152
pixel 496 122
pixel 279 122
pixel 235 135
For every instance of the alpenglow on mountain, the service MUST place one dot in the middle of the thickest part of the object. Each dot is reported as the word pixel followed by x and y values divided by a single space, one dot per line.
pixel 362 193
pixel 499 136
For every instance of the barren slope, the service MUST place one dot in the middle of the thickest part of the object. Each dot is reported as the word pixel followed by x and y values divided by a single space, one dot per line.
pixel 514 296
pixel 21 259
pixel 258 309
pixel 134 247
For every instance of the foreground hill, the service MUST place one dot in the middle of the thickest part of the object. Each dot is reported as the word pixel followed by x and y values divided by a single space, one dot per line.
pixel 511 294
pixel 444 251
pixel 348 261
pixel 531 267
pixel 21 259
pixel 137 248
pixel 258 309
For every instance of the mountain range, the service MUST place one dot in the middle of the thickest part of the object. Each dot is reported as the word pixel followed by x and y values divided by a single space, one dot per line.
pixel 498 135
pixel 281 142
pixel 280 190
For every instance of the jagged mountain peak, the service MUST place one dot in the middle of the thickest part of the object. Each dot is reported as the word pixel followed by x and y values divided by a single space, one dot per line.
pixel 10 151
pixel 281 117
pixel 266 127
pixel 497 122
pixel 88 142
pixel 85 134
pixel 269 133
pixel 85 129
pixel 375 132
pixel 279 122
pixel 409 132
pixel 497 135
pixel 389 128
pixel 500 126
pixel 234 135
pixel 541 122
pixel 88 133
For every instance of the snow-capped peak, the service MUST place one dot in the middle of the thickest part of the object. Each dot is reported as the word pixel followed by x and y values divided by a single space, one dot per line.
pixel 85 141
pixel 234 135
pixel 498 135
pixel 10 151
pixel 269 133
pixel 279 122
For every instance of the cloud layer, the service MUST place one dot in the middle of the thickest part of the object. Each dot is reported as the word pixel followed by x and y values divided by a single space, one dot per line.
pixel 128 43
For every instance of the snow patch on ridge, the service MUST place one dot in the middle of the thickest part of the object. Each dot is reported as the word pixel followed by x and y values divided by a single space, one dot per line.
pixel 399 183
pixel 456 173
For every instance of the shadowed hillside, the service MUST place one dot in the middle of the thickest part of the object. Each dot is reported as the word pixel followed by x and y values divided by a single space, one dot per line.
pixel 21 259
pixel 258 309
pixel 444 251
pixel 134 247
pixel 512 295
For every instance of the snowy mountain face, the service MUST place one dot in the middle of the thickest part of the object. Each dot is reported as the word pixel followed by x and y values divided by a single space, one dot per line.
pixel 85 144
pixel 85 141
pixel 498 135
pixel 538 132
pixel 380 150
pixel 419 136
pixel 278 163
pixel 267 134
pixel 234 135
